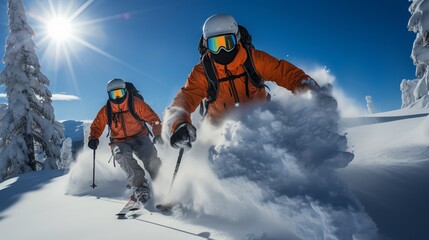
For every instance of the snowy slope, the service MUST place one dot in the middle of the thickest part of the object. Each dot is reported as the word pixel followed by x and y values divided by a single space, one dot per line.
pixel 243 192
pixel 389 174
pixel 37 201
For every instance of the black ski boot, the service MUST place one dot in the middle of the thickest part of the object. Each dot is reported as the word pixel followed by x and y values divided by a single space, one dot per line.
pixel 142 193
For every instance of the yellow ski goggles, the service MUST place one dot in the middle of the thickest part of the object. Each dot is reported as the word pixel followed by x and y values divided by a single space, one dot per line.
pixel 227 42
pixel 117 93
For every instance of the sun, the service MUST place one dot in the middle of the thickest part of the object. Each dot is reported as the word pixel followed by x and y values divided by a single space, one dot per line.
pixel 59 29
pixel 63 32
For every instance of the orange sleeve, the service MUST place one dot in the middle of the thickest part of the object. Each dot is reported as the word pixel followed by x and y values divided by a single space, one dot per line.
pixel 147 114
pixel 190 96
pixel 282 72
pixel 98 125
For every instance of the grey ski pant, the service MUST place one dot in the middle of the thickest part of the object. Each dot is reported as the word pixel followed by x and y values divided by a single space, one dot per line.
pixel 143 148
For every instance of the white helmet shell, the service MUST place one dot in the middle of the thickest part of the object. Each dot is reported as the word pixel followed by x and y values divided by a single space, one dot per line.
pixel 219 24
pixel 116 83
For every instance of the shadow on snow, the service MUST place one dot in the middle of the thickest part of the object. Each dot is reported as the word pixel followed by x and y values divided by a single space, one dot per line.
pixel 396 197
pixel 25 183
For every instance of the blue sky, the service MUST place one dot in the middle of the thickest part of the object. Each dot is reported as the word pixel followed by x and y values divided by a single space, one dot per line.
pixel 364 43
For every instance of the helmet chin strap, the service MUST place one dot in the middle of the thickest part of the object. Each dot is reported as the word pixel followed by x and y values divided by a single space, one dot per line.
pixel 224 57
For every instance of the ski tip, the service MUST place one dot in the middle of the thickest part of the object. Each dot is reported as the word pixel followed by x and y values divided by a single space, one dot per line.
pixel 121 216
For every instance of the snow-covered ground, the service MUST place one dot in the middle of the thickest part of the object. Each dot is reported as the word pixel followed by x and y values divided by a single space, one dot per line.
pixel 278 172
pixel 389 174
pixel 37 203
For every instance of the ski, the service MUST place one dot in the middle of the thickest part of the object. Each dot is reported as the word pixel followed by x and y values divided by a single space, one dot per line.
pixel 132 205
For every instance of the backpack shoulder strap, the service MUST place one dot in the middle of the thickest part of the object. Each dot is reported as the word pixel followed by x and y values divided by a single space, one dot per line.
pixel 109 113
pixel 132 109
pixel 109 116
pixel 213 82
pixel 249 68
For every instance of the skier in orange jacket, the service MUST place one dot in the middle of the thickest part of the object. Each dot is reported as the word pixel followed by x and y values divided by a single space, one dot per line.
pixel 228 56
pixel 128 135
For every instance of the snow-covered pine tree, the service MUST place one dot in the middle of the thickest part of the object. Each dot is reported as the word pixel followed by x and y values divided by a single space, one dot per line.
pixel 370 104
pixel 66 154
pixel 418 23
pixel 29 122
pixel 3 108
pixel 407 89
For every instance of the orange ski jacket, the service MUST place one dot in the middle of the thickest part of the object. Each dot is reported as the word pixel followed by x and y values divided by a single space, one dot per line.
pixel 124 126
pixel 281 72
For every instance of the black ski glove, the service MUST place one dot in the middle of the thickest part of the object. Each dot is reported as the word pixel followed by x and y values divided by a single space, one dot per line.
pixel 324 98
pixel 93 143
pixel 309 84
pixel 157 139
pixel 183 137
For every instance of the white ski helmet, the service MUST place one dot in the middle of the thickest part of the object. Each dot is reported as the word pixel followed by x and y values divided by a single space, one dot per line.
pixel 116 83
pixel 219 24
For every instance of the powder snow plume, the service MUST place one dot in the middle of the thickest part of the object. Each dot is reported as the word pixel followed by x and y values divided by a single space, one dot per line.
pixel 110 180
pixel 270 172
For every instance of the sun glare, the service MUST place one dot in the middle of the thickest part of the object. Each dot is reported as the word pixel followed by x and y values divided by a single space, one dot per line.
pixel 59 29
pixel 63 32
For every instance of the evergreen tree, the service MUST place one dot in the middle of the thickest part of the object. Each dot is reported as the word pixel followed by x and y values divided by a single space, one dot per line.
pixel 369 104
pixel 3 108
pixel 28 123
pixel 418 23
pixel 407 89
pixel 66 154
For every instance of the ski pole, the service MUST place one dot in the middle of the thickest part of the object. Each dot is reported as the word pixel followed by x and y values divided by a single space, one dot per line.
pixel 167 207
pixel 93 171
pixel 179 159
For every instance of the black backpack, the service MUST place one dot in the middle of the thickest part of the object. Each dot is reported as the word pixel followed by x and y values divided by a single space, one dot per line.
pixel 249 70
pixel 133 92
